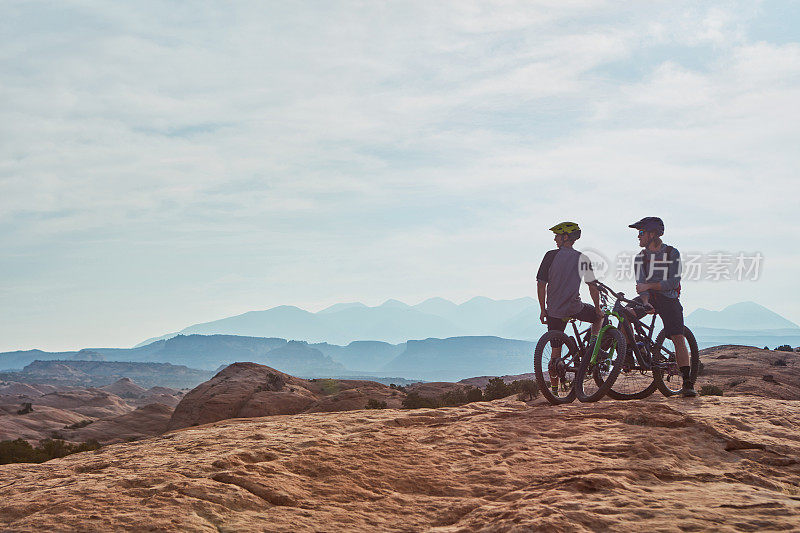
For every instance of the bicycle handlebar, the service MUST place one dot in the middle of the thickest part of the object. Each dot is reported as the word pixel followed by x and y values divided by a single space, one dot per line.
pixel 618 295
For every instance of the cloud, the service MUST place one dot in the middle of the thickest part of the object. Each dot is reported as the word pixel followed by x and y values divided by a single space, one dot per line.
pixel 377 137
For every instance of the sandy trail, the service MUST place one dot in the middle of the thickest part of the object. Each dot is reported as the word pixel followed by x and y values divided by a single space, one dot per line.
pixel 659 464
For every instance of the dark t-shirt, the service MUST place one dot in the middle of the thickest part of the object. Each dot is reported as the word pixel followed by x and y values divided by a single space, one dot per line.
pixel 562 270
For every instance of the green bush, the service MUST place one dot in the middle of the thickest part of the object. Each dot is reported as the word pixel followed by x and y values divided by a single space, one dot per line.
pixel 372 403
pixel 784 348
pixel 526 388
pixel 452 398
pixel 20 450
pixel 710 390
pixel 414 401
pixel 496 388
pixel 474 395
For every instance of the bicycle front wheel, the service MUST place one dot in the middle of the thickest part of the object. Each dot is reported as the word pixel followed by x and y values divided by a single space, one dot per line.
pixel 555 361
pixel 666 373
pixel 594 379
pixel 634 382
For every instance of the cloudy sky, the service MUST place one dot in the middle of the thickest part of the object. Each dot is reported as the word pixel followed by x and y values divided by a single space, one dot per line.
pixel 168 163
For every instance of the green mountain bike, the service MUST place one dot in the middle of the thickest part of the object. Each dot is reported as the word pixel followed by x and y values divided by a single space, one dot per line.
pixel 557 359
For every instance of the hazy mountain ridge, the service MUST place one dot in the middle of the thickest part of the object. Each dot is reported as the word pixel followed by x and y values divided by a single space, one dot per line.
pixel 102 373
pixel 203 352
pixel 742 316
pixel 394 322
pixel 434 357
pixel 428 359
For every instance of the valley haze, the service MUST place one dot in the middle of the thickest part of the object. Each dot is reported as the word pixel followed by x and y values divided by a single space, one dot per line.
pixel 436 340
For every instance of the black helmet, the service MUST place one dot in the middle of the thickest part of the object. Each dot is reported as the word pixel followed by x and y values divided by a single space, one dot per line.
pixel 649 224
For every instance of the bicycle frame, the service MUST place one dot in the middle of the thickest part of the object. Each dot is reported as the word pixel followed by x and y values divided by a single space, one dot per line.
pixel 637 327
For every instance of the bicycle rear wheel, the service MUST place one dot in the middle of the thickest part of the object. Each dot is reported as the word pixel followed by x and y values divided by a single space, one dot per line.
pixel 666 374
pixel 594 380
pixel 555 361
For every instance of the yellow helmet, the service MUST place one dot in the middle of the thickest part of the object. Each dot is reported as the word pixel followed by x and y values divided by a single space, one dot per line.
pixel 565 227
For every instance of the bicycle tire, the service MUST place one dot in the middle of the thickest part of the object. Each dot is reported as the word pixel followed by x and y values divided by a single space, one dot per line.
pixel 541 362
pixel 632 383
pixel 617 345
pixel 663 374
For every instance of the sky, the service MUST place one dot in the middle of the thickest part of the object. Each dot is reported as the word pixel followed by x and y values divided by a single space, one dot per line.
pixel 169 163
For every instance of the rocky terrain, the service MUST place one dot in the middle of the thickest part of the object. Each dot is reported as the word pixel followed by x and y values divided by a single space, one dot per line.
pixel 256 449
pixel 711 463
pixel 740 370
pixel 78 414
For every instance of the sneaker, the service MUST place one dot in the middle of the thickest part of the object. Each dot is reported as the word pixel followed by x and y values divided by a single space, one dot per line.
pixel 688 391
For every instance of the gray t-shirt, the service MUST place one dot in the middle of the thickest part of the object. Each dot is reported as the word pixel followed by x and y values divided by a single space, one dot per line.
pixel 663 266
pixel 563 270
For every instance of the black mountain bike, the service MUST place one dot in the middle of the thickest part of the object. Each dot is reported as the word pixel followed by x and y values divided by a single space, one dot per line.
pixel 649 363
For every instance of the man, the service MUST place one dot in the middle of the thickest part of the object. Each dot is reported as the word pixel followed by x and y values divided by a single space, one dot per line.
pixel 658 282
pixel 558 286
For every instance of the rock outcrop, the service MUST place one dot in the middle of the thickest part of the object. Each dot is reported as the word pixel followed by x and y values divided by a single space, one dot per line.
pixel 244 390
pixel 125 388
pixel 146 421
pixel 740 370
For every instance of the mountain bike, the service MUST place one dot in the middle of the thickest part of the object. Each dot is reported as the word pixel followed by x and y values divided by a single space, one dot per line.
pixel 557 358
pixel 555 361
pixel 599 369
pixel 649 363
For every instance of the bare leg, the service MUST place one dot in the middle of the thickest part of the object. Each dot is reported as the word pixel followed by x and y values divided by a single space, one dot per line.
pixel 553 370
pixel 681 351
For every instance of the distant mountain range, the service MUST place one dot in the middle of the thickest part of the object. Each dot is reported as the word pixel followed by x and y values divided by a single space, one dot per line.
pixel 741 316
pixel 70 372
pixel 392 321
pixel 495 337
pixel 395 322
pixel 430 359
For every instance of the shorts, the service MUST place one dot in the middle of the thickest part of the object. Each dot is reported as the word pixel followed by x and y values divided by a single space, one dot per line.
pixel 586 314
pixel 669 309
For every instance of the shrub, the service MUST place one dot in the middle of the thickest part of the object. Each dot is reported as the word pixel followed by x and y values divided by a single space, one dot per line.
pixel 397 387
pixel 784 348
pixel 474 395
pixel 526 388
pixel 414 401
pixel 27 407
pixel 453 398
pixel 496 388
pixel 372 403
pixel 20 450
pixel 779 362
pixel 710 390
